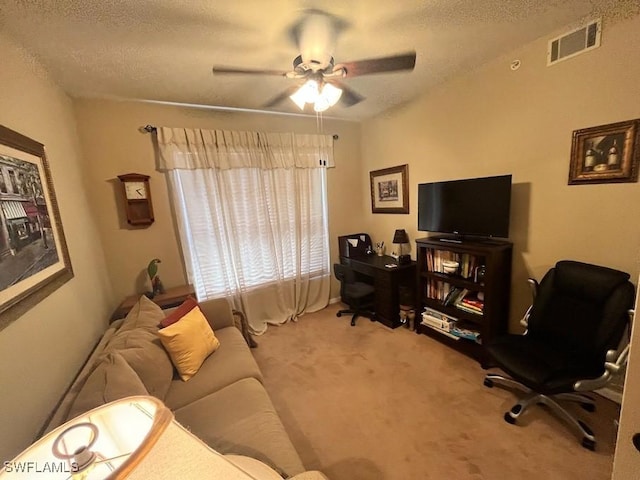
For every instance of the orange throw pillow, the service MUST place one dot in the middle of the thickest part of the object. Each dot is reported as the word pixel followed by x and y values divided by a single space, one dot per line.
pixel 179 312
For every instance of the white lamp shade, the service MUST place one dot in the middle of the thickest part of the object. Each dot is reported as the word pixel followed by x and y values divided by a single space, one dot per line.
pixel 307 93
pixel 327 98
pixel 331 93
pixel 299 98
pixel 321 104
pixel 137 438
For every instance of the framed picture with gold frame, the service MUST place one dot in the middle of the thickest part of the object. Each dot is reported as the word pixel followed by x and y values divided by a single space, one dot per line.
pixel 34 259
pixel 605 154
pixel 390 190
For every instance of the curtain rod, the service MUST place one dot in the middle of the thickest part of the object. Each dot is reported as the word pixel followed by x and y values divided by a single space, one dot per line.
pixel 151 129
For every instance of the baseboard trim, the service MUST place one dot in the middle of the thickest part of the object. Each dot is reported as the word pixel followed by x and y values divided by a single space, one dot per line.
pixel 611 394
pixel 334 300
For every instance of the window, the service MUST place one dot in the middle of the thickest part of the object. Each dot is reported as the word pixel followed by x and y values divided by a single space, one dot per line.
pixel 252 217
pixel 14 182
pixel 257 221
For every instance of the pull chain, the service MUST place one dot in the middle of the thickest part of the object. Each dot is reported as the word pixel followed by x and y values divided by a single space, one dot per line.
pixel 319 122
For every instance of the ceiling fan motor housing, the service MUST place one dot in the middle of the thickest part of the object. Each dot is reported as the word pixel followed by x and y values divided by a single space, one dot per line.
pixel 316 39
pixel 300 66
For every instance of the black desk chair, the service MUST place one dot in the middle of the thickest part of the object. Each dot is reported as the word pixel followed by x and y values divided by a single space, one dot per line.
pixel 576 340
pixel 358 295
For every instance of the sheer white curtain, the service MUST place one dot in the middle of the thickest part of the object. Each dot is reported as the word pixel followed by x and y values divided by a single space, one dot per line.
pixel 251 210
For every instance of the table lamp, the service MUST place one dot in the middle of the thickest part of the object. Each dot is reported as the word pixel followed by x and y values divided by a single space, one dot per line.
pixel 401 237
pixel 134 438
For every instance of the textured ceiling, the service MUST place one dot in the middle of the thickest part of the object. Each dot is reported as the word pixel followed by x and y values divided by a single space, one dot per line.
pixel 163 50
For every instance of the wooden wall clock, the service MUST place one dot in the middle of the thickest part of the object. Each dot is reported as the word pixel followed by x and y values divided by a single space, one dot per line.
pixel 137 199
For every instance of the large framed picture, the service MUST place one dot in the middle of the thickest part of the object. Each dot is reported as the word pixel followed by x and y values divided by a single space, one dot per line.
pixel 390 190
pixel 605 154
pixel 34 259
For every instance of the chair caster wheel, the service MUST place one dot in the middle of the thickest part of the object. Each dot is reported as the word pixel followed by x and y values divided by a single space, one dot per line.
pixel 509 419
pixel 488 383
pixel 589 444
pixel 353 323
pixel 338 314
pixel 589 407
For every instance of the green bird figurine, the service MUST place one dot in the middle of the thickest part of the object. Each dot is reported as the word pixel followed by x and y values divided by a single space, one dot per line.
pixel 156 284
pixel 152 269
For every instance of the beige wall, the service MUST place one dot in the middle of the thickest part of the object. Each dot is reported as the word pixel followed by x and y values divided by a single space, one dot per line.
pixel 113 146
pixel 495 121
pixel 490 121
pixel 41 351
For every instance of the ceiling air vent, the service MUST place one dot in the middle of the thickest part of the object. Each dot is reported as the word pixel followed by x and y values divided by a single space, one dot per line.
pixel 575 42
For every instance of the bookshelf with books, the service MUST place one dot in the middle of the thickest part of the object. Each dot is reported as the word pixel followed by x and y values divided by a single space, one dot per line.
pixel 463 290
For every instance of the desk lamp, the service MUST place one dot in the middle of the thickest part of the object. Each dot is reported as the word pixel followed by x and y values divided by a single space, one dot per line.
pixel 133 438
pixel 401 237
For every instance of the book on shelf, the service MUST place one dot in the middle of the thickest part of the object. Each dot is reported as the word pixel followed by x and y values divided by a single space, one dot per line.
pixel 438 314
pixel 467 262
pixel 441 331
pixel 469 302
pixel 472 300
pixel 436 257
pixel 465 333
pixel 448 325
pixel 443 323
pixel 437 289
pixel 454 295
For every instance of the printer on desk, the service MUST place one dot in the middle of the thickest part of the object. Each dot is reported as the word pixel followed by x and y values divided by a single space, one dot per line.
pixel 355 245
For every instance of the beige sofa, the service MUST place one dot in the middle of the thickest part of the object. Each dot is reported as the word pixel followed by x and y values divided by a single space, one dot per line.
pixel 225 403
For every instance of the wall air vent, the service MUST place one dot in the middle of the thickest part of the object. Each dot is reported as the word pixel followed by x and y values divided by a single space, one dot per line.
pixel 575 42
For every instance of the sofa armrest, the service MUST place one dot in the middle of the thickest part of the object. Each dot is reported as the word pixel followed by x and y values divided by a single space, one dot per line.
pixel 218 313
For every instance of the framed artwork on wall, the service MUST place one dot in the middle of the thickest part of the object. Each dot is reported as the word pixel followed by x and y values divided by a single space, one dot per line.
pixel 605 154
pixel 390 190
pixel 34 259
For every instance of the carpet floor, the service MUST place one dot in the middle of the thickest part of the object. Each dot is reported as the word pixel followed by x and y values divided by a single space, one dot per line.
pixel 371 403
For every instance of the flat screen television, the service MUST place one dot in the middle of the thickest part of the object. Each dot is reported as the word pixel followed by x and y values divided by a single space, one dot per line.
pixel 475 207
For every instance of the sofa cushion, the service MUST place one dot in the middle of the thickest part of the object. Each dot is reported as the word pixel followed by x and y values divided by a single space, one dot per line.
pixel 144 314
pixel 189 304
pixel 231 362
pixel 111 380
pixel 240 419
pixel 189 342
pixel 145 354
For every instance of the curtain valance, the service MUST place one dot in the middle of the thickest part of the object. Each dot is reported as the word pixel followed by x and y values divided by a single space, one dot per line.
pixel 188 149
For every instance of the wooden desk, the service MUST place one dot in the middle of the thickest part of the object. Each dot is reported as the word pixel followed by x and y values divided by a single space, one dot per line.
pixel 386 282
pixel 172 297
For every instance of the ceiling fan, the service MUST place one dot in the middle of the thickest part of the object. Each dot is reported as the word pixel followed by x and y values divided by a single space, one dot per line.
pixel 317 72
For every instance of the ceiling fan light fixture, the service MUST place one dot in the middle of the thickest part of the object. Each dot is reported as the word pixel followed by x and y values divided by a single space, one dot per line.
pixel 321 99
pixel 298 99
pixel 331 94
pixel 307 93
pixel 321 104
pixel 328 97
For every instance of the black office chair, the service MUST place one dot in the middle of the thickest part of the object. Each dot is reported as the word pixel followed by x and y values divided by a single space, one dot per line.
pixel 576 339
pixel 358 295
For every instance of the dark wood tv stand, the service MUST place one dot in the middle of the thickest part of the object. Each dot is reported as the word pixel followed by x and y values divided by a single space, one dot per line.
pixel 434 284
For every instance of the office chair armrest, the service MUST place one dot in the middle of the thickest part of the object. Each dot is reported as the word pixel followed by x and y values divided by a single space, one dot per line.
pixel 611 368
pixel 533 284
pixel 615 361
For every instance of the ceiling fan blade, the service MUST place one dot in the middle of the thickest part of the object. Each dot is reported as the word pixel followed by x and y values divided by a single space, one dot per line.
pixel 281 97
pixel 405 61
pixel 349 97
pixel 246 71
